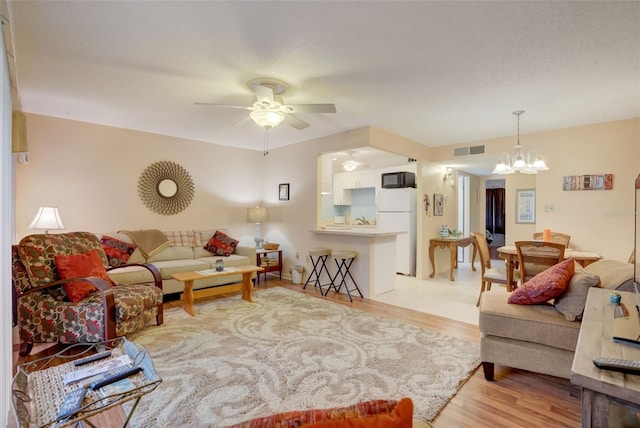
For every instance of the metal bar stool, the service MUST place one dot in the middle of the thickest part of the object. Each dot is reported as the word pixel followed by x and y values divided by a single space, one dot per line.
pixel 343 260
pixel 318 258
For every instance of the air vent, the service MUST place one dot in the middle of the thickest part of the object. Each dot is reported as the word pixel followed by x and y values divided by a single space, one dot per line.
pixel 461 151
pixel 476 150
pixel 466 151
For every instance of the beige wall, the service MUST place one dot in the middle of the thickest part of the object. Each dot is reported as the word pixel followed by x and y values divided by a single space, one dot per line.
pixel 91 172
pixel 599 221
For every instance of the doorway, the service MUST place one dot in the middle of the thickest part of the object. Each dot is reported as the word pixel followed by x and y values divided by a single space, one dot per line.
pixel 495 215
pixel 463 213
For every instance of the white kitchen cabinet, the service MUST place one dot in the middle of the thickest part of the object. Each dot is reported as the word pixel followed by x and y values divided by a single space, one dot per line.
pixel 341 195
pixel 357 179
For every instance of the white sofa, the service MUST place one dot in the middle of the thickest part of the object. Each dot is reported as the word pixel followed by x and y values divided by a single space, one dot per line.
pixel 182 258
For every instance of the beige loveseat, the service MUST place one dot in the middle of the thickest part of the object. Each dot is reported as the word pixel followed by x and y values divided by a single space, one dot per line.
pixel 539 338
pixel 185 253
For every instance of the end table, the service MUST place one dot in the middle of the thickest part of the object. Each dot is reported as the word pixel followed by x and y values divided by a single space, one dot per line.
pixel 38 389
pixel 269 264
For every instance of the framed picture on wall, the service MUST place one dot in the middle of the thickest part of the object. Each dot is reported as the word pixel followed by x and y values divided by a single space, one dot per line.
pixel 283 192
pixel 438 204
pixel 526 206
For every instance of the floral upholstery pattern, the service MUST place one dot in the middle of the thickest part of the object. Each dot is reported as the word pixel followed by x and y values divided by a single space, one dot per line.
pixel 38 253
pixel 48 315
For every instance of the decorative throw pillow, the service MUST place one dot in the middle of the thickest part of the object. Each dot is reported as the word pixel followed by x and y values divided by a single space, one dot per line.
pixel 400 417
pixel 571 303
pixel 545 286
pixel 78 266
pixel 118 252
pixel 221 244
pixel 392 413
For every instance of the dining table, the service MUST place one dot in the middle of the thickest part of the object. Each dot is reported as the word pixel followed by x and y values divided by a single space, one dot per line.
pixel 510 256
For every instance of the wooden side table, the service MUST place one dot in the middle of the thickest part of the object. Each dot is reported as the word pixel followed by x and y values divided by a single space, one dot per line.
pixel 269 264
pixel 452 244
pixel 609 399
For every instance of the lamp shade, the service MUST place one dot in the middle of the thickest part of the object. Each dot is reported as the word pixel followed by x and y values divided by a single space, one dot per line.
pixel 257 215
pixel 267 118
pixel 47 218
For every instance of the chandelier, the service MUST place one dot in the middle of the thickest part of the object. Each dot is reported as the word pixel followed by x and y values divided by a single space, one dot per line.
pixel 350 165
pixel 524 163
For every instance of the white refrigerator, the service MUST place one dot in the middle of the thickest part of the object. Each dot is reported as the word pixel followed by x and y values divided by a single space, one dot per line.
pixel 397 211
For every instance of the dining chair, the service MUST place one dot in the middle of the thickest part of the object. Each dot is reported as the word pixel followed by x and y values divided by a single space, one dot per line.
pixel 560 238
pixel 536 256
pixel 489 274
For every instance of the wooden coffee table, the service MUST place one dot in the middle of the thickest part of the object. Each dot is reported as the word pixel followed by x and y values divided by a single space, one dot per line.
pixel 190 277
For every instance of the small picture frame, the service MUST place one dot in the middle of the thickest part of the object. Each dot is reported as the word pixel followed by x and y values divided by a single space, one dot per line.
pixel 283 191
pixel 526 206
pixel 438 204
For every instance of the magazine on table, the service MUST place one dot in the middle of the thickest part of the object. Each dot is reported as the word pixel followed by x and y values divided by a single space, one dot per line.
pixel 101 367
pixel 213 271
pixel 118 387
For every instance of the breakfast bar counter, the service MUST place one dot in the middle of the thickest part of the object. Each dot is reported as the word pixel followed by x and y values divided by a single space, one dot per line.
pixel 375 267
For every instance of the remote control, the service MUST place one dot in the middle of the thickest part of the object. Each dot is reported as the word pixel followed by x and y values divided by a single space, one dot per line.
pixel 618 365
pixel 92 358
pixel 114 375
pixel 72 403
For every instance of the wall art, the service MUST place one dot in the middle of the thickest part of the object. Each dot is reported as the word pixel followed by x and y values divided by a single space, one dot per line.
pixel 438 204
pixel 588 182
pixel 283 192
pixel 165 187
pixel 526 206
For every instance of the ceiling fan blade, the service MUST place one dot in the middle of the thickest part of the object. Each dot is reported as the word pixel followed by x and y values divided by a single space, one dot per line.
pixel 223 105
pixel 295 122
pixel 264 94
pixel 312 108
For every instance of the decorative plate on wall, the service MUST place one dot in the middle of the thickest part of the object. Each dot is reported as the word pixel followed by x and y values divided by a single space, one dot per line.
pixel 165 187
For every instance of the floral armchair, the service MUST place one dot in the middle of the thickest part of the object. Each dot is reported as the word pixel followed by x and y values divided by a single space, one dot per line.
pixel 44 310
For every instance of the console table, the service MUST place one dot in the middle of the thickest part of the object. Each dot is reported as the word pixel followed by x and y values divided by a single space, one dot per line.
pixel 38 389
pixel 452 244
pixel 609 399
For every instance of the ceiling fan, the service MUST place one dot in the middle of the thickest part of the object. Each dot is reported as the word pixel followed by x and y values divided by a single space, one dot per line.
pixel 269 110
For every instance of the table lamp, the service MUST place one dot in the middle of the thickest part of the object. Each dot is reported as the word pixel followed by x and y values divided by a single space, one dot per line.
pixel 47 218
pixel 258 215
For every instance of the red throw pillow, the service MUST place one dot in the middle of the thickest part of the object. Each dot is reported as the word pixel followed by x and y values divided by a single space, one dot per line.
pixel 221 244
pixel 79 266
pixel 118 252
pixel 400 417
pixel 545 286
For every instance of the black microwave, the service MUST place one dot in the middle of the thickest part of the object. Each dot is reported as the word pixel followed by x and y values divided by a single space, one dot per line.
pixel 395 180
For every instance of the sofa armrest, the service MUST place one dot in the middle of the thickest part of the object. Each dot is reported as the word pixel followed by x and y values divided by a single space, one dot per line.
pixel 248 252
pixel 157 278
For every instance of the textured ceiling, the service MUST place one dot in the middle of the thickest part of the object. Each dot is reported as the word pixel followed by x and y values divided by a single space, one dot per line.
pixel 438 73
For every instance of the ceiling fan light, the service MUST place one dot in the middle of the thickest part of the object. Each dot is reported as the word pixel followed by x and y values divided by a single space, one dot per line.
pixel 267 118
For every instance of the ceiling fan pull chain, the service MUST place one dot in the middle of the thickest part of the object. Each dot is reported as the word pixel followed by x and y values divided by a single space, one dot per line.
pixel 266 141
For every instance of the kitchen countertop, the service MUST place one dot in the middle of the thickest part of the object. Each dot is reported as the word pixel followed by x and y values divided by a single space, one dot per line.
pixel 356 230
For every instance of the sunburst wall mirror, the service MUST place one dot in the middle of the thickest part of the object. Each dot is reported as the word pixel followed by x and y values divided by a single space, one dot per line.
pixel 165 188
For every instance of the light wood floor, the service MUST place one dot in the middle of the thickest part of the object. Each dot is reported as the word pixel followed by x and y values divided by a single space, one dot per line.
pixel 515 399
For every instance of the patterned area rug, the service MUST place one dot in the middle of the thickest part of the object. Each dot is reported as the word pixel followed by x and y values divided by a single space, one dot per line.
pixel 287 351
